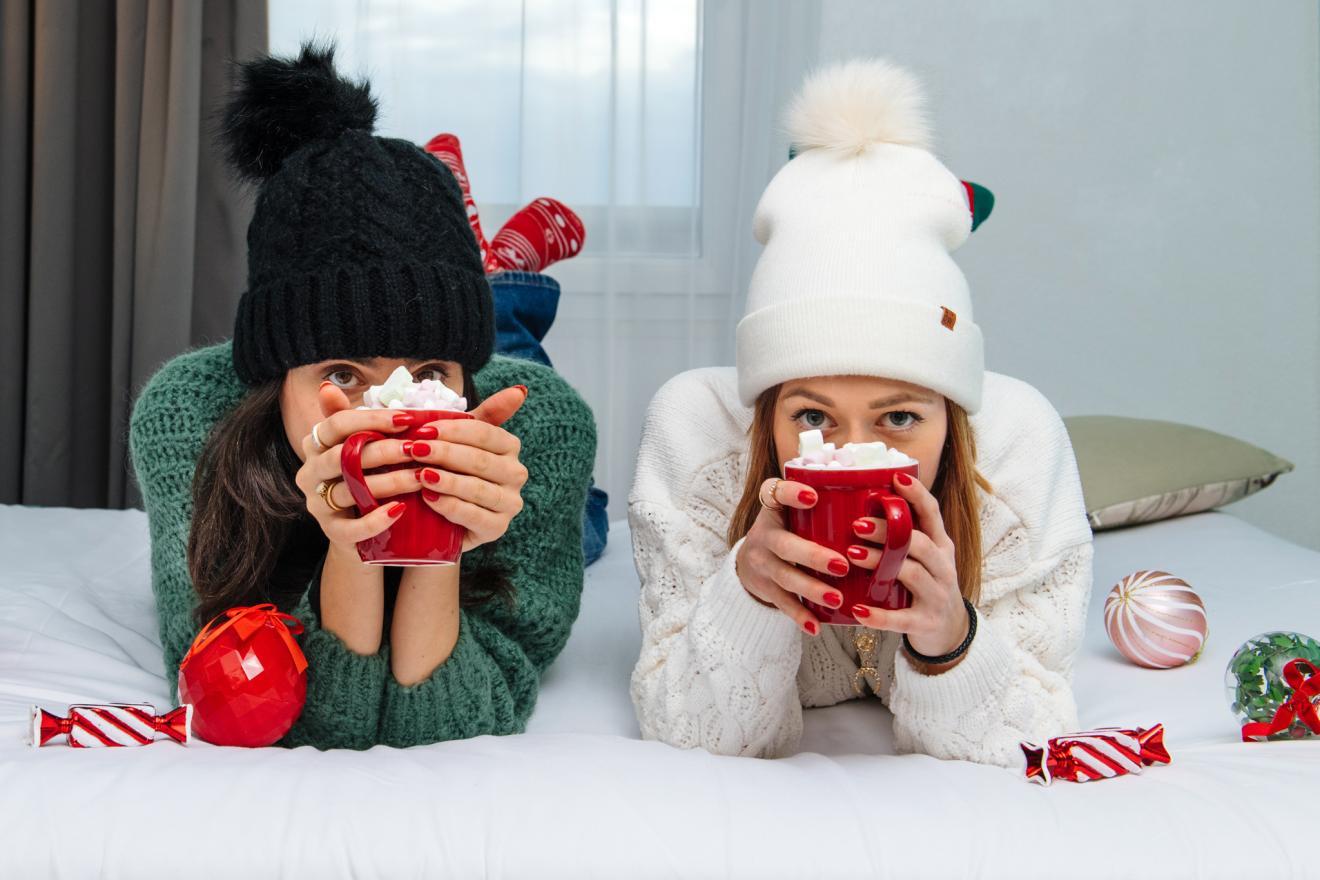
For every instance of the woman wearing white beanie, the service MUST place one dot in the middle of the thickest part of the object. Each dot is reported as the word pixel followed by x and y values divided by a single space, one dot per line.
pixel 858 323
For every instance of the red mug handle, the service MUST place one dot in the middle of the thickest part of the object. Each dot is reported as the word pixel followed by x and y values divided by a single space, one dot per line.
pixel 898 535
pixel 350 462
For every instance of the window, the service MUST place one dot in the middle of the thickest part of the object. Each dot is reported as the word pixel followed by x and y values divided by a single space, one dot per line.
pixel 593 102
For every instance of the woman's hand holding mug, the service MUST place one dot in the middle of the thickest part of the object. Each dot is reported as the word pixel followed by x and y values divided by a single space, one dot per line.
pixel 769 557
pixel 937 622
pixel 767 560
pixel 473 477
pixel 321 476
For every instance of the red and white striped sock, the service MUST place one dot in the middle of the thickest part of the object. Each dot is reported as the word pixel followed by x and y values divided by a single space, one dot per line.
pixel 445 148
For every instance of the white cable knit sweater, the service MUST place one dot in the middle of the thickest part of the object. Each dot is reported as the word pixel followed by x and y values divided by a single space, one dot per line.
pixel 722 672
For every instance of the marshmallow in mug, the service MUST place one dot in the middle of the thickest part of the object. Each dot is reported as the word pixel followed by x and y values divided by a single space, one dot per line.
pixel 401 392
pixel 814 452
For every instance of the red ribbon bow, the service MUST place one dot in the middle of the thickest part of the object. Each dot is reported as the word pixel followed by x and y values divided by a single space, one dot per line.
pixel 246 620
pixel 1301 675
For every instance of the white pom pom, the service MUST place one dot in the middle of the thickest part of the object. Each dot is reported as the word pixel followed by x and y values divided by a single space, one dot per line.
pixel 849 106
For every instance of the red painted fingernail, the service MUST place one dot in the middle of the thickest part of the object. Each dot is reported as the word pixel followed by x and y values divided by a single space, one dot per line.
pixel 417 475
pixel 396 509
pixel 407 447
pixel 903 479
pixel 426 432
pixel 861 611
pixel 524 389
pixel 838 566
pixel 430 496
pixel 812 627
pixel 430 476
pixel 421 449
pixel 833 599
pixel 806 496
pixel 402 419
pixel 855 552
pixel 863 526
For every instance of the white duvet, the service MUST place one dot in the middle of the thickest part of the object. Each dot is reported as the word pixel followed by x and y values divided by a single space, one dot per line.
pixel 580 796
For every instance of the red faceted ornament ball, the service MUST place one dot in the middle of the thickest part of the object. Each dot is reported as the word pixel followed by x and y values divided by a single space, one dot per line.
pixel 245 676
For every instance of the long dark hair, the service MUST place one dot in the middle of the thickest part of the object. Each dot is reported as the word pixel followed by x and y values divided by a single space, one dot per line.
pixel 955 487
pixel 247 511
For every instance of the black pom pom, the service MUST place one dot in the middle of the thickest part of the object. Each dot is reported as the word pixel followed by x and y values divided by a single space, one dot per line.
pixel 279 104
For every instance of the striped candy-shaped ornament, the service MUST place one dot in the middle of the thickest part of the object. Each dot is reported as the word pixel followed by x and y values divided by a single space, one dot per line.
pixel 112 724
pixel 1095 754
pixel 1155 619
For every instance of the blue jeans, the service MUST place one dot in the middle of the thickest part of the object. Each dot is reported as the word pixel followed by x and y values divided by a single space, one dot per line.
pixel 525 306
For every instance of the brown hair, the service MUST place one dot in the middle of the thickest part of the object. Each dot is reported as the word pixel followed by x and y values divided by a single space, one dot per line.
pixel 247 508
pixel 955 487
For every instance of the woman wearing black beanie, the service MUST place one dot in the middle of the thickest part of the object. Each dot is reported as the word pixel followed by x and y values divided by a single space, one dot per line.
pixel 361 260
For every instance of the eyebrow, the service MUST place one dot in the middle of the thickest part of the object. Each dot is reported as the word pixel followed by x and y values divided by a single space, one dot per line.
pixel 881 403
pixel 370 361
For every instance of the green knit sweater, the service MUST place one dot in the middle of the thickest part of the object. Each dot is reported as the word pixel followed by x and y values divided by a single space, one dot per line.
pixel 489 682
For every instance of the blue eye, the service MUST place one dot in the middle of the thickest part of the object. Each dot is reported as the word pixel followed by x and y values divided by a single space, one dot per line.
pixel 905 419
pixel 811 418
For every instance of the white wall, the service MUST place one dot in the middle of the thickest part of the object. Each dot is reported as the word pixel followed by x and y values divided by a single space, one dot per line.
pixel 1155 245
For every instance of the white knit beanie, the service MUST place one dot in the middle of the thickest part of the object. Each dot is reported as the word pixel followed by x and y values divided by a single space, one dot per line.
pixel 856 277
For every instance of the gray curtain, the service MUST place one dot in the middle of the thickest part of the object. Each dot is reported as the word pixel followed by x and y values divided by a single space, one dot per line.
pixel 121 236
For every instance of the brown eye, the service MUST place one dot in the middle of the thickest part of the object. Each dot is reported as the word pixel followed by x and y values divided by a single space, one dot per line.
pixel 434 373
pixel 342 378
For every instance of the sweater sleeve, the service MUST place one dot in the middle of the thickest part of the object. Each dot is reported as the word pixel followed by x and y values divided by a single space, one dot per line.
pixel 1014 683
pixel 342 710
pixel 169 425
pixel 717 670
pixel 489 683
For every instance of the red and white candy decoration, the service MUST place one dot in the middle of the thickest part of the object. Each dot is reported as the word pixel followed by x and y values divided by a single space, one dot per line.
pixel 1155 620
pixel 1095 754
pixel 112 724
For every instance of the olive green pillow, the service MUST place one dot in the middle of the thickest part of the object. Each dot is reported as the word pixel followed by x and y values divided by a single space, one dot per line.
pixel 1141 470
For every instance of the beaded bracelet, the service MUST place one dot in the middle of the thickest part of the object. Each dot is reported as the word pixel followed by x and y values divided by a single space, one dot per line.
pixel 956 652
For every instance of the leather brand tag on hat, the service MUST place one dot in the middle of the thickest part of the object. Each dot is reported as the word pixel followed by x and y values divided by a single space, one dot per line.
pixel 949 318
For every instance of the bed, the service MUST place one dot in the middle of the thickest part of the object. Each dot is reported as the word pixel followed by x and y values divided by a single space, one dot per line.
pixel 579 795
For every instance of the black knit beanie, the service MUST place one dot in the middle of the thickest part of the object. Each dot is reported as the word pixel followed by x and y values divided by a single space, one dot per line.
pixel 359 246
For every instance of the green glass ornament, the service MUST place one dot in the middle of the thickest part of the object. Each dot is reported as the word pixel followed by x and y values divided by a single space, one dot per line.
pixel 1255 683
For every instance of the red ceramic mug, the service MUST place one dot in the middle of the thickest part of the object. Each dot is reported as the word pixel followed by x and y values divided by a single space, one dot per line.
pixel 845 495
pixel 420 536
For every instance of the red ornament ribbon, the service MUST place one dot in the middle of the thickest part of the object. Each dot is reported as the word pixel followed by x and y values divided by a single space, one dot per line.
pixel 1302 676
pixel 246 620
pixel 112 724
pixel 1095 754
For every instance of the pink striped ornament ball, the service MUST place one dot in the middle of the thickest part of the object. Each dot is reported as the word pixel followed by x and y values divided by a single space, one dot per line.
pixel 1155 620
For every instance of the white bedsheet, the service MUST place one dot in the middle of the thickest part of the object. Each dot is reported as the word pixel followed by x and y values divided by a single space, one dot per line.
pixel 579 795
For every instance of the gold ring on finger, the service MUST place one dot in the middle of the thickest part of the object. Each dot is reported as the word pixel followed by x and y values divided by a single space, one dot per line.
pixel 772 505
pixel 324 488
